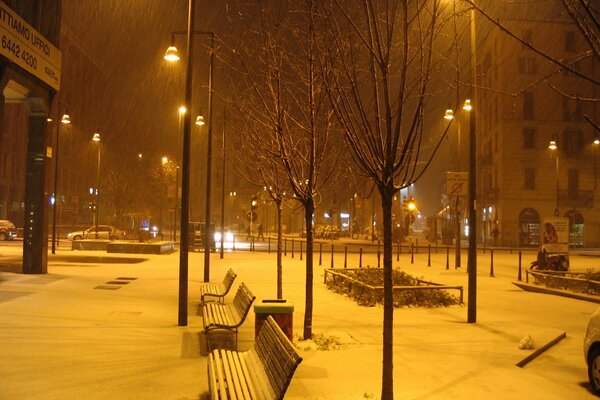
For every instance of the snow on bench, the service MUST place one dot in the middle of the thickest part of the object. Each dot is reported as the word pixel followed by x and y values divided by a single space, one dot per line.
pixel 263 372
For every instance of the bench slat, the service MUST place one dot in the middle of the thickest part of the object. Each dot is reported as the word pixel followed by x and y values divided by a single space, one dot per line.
pixel 263 372
pixel 220 388
pixel 241 383
pixel 218 290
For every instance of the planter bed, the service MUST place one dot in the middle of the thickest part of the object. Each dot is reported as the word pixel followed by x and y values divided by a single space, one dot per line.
pixel 365 285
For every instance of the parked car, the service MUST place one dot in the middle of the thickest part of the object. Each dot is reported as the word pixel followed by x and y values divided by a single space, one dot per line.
pixel 104 232
pixel 8 231
pixel 591 351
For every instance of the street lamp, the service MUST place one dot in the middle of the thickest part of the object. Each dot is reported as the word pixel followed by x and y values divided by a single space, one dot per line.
pixel 172 55
pixel 552 146
pixel 96 139
pixel 596 143
pixel 165 161
pixel 65 120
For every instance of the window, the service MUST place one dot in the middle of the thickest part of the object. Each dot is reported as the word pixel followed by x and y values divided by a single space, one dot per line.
pixel 571 110
pixel 528 105
pixel 570 42
pixel 573 142
pixel 527 65
pixel 529 138
pixel 528 36
pixel 529 179
pixel 573 183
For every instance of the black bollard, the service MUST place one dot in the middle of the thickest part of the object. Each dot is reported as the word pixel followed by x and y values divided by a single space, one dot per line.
pixel 447 257
pixel 269 247
pixel 332 256
pixel 398 251
pixel 285 247
pixel 492 263
pixel 520 276
pixel 292 248
pixel 320 253
pixel 378 258
pixel 301 250
pixel 429 255
pixel 412 253
pixel 346 257
pixel 360 258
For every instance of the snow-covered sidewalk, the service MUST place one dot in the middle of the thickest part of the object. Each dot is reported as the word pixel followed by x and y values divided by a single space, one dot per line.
pixel 65 337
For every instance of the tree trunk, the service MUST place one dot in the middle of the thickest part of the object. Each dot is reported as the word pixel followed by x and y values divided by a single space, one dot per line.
pixel 387 387
pixel 309 209
pixel 279 250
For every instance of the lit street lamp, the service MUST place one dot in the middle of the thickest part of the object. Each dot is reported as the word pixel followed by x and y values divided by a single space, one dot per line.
pixel 165 161
pixel 172 55
pixel 64 120
pixel 96 139
pixel 552 146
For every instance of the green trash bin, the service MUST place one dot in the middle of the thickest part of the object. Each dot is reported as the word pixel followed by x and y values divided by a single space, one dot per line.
pixel 282 312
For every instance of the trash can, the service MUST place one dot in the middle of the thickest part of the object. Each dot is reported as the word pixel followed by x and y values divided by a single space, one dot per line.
pixel 282 312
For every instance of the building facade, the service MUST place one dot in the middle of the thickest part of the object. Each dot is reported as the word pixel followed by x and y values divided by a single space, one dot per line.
pixel 524 103
pixel 29 79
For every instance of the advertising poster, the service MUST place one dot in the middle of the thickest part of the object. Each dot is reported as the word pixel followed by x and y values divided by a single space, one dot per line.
pixel 555 235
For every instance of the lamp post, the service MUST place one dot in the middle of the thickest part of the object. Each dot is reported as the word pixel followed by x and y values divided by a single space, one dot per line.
pixel 172 55
pixel 96 139
pixel 596 143
pixel 552 146
pixel 223 186
pixel 64 120
pixel 165 162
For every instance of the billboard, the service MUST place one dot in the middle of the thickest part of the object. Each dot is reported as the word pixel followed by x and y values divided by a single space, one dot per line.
pixel 555 235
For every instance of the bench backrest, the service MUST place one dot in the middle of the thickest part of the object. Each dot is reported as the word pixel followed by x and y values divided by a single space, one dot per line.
pixel 277 355
pixel 228 280
pixel 242 302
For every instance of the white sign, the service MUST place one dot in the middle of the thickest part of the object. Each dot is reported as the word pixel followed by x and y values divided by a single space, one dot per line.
pixel 457 183
pixel 27 48
pixel 555 235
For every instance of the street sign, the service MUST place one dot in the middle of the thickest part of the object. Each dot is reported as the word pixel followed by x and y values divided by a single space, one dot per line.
pixel 27 48
pixel 457 183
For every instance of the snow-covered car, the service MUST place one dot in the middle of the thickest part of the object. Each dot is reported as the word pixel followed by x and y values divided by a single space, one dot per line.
pixel 591 351
pixel 8 231
pixel 104 232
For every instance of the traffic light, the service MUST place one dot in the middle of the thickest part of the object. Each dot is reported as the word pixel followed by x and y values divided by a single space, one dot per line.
pixel 411 205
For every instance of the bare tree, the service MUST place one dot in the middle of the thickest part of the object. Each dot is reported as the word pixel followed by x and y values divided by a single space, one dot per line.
pixel 286 99
pixel 381 61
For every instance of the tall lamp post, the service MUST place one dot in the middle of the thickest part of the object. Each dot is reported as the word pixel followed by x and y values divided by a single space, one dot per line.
pixel 96 139
pixel 172 55
pixel 552 146
pixel 64 120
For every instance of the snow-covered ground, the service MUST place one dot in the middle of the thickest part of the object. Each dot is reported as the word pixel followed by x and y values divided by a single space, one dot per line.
pixel 63 339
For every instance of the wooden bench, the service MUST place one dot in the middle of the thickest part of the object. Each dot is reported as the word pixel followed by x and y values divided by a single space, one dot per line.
pixel 217 290
pixel 263 372
pixel 229 317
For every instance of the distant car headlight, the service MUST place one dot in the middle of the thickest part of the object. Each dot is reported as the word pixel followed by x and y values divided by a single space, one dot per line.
pixel 228 236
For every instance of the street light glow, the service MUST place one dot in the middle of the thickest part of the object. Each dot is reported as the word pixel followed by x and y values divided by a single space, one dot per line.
pixel 200 120
pixel 96 137
pixel 449 115
pixel 182 110
pixel 552 145
pixel 65 119
pixel 467 106
pixel 172 54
